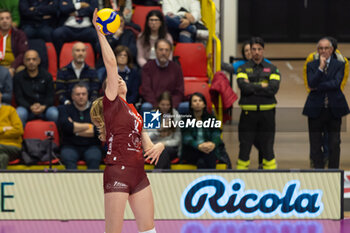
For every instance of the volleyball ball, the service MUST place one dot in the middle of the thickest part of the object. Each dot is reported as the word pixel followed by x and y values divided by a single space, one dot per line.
pixel 108 21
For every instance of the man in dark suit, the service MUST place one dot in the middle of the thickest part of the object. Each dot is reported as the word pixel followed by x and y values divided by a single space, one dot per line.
pixel 326 103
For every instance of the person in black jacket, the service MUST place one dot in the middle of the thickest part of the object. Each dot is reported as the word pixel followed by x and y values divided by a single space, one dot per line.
pixel 259 82
pixel 79 136
pixel 34 91
pixel 326 104
pixel 38 18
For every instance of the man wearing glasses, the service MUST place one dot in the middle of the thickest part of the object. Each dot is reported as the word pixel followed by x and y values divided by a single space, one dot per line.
pixel 326 103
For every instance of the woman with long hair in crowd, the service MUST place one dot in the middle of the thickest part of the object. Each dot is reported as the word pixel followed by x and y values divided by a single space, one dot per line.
pixel 155 29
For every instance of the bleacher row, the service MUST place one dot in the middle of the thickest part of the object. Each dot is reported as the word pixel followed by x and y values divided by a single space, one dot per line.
pixel 193 60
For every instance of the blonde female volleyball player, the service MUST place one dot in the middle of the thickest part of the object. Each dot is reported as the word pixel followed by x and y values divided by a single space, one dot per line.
pixel 120 126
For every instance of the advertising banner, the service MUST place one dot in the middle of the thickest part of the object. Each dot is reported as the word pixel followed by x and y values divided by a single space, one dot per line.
pixel 178 195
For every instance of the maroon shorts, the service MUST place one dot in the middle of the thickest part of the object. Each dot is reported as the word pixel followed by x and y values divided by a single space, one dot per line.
pixel 119 178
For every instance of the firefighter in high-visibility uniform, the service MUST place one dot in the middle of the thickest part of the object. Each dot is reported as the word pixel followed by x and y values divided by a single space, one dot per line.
pixel 259 82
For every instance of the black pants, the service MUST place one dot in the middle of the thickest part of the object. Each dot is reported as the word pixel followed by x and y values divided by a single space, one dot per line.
pixel 199 158
pixel 256 126
pixel 168 154
pixel 317 126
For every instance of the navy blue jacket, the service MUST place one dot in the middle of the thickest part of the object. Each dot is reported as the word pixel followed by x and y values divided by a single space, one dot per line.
pixel 41 8
pixel 66 7
pixel 66 79
pixel 322 84
pixel 66 127
pixel 132 79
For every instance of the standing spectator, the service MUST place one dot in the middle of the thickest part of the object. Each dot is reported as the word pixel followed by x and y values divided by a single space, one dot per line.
pixel 38 18
pixel 326 104
pixel 154 29
pixel 259 82
pixel 200 144
pixel 34 91
pixel 13 44
pixel 75 72
pixel 12 7
pixel 75 23
pixel 160 75
pixel 11 131
pixel 315 56
pixel 6 85
pixel 167 134
pixel 79 136
pixel 181 15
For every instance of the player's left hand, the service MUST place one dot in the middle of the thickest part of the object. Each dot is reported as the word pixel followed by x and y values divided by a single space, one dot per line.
pixel 154 153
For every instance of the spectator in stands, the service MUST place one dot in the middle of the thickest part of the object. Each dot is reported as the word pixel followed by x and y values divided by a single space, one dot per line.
pixel 316 56
pixel 12 7
pixel 128 72
pixel 326 104
pixel 167 134
pixel 6 85
pixel 160 75
pixel 123 36
pixel 200 144
pixel 13 44
pixel 180 16
pixel 38 18
pixel 75 72
pixel 124 6
pixel 75 23
pixel 34 91
pixel 154 29
pixel 79 136
pixel 11 131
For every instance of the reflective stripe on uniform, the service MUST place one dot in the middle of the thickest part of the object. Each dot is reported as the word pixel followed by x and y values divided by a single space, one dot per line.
pixel 269 165
pixel 242 75
pixel 262 107
pixel 275 77
pixel 242 165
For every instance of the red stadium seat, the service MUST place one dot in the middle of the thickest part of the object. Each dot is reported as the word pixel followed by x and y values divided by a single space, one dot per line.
pixel 193 60
pixel 52 55
pixel 140 13
pixel 201 87
pixel 36 129
pixel 66 54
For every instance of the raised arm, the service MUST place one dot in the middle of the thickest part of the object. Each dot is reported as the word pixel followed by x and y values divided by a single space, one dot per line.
pixel 110 63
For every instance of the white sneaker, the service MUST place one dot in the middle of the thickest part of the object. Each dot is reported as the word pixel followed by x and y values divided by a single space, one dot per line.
pixel 202 34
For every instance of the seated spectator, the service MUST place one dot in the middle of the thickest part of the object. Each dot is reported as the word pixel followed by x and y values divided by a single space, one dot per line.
pixel 180 16
pixel 124 37
pixel 154 29
pixel 11 131
pixel 123 6
pixel 6 85
pixel 160 75
pixel 12 7
pixel 75 72
pixel 38 18
pixel 128 72
pixel 167 134
pixel 34 91
pixel 75 23
pixel 200 145
pixel 79 136
pixel 13 44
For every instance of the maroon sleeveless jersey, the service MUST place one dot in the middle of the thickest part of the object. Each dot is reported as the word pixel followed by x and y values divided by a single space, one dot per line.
pixel 123 133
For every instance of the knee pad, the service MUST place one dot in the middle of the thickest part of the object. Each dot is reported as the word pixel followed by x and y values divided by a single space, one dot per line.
pixel 149 231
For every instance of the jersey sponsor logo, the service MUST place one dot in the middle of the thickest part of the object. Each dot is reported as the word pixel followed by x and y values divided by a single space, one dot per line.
pixel 110 142
pixel 118 184
pixel 134 137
